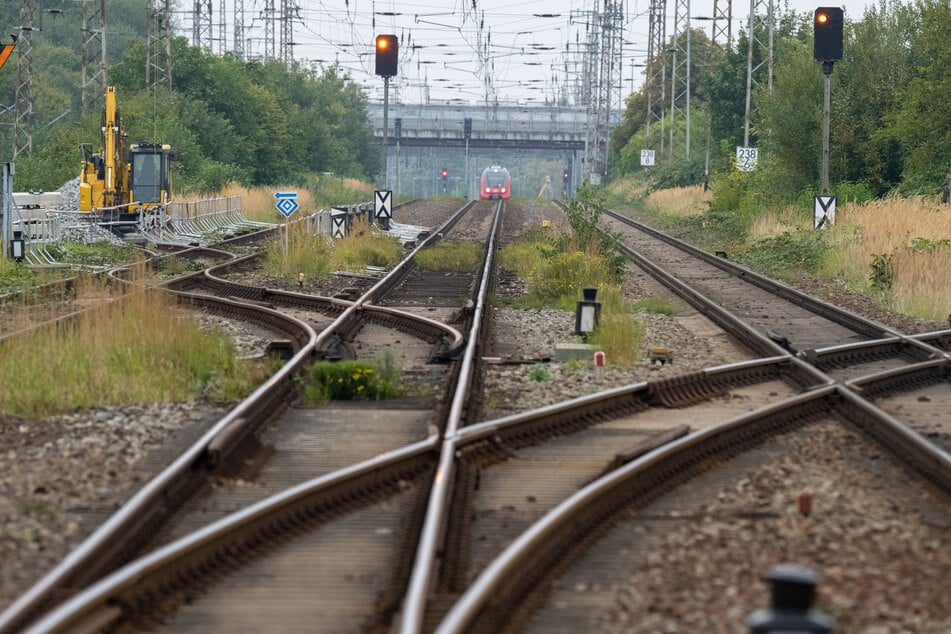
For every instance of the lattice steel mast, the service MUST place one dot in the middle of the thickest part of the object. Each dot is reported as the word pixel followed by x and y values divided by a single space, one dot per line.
pixel 656 70
pixel 758 27
pixel 158 62
pixel 202 24
pixel 680 73
pixel 239 36
pixel 23 99
pixel 93 71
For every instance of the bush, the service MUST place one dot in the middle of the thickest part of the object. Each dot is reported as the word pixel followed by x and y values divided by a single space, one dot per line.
pixel 789 252
pixel 351 381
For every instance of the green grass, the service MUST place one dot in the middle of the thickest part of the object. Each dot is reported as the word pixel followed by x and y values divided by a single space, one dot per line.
pixel 787 254
pixel 19 277
pixel 96 254
pixel 317 256
pixel 328 381
pixel 620 337
pixel 139 350
pixel 450 256
pixel 554 270
pixel 539 373
pixel 556 278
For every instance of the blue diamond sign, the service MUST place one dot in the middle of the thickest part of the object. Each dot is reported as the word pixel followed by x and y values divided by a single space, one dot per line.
pixel 286 203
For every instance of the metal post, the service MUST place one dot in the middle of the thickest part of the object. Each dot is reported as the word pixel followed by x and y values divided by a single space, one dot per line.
pixel 6 207
pixel 826 106
pixel 386 131
pixel 749 76
pixel 466 181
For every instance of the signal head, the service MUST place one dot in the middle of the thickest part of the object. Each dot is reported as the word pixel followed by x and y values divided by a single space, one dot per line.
pixel 827 31
pixel 387 55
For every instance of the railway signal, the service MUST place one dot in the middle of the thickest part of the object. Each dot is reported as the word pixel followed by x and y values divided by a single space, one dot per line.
pixel 566 175
pixel 827 34
pixel 444 173
pixel 827 49
pixel 445 179
pixel 387 55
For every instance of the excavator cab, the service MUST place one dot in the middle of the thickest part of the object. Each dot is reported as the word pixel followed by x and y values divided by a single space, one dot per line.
pixel 151 180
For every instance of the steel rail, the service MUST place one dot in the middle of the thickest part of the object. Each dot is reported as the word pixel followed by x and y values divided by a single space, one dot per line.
pixel 637 397
pixel 151 503
pixel 903 379
pixel 432 536
pixel 504 583
pixel 103 548
pixel 180 563
pixel 417 325
pixel 829 311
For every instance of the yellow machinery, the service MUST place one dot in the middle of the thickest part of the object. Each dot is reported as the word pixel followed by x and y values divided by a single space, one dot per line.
pixel 120 183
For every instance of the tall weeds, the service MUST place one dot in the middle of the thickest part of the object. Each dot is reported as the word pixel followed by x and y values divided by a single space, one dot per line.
pixel 913 235
pixel 136 350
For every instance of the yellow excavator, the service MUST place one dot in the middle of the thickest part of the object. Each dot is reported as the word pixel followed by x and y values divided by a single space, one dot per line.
pixel 122 184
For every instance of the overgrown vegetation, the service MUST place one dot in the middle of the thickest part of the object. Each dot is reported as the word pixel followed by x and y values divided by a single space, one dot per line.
pixel 358 380
pixel 16 276
pixel 557 268
pixel 148 352
pixel 894 249
pixel 450 255
pixel 788 254
pixel 318 256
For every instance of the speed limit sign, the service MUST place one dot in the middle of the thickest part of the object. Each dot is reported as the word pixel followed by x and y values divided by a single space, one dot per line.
pixel 647 158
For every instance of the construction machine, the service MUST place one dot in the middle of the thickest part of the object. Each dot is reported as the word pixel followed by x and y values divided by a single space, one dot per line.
pixel 122 184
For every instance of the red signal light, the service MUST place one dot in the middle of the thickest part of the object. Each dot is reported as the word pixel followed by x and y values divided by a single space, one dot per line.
pixel 445 173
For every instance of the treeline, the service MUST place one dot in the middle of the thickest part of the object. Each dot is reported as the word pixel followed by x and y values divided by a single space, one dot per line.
pixel 228 120
pixel 890 121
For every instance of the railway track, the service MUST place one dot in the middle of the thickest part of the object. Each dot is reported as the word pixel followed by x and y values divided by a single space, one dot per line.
pixel 235 473
pixel 530 508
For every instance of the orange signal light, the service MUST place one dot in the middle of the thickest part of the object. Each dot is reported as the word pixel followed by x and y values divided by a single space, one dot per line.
pixel 382 42
pixel 822 18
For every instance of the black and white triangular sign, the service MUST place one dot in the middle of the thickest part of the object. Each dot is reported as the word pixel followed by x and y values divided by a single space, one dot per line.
pixel 338 222
pixel 381 203
pixel 824 207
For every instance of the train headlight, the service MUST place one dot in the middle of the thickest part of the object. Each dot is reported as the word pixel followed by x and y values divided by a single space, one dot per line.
pixel 503 190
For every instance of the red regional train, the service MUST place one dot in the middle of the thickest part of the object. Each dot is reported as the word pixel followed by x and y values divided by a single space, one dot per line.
pixel 496 183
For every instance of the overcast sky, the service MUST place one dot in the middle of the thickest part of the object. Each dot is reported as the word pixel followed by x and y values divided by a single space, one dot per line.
pixel 447 46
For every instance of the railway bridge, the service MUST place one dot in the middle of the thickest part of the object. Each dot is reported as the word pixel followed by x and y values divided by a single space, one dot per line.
pixel 424 139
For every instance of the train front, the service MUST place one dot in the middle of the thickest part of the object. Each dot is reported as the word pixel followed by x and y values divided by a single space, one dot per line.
pixel 496 183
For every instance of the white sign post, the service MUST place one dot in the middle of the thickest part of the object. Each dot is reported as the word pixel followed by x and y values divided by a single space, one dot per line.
pixel 824 211
pixel 647 158
pixel 382 209
pixel 746 158
pixel 286 204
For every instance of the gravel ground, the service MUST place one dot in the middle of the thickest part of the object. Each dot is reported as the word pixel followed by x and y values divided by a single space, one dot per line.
pixel 61 475
pixel 886 577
